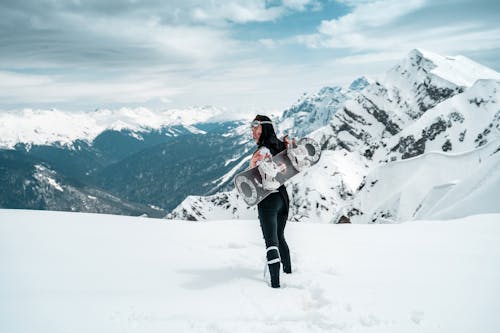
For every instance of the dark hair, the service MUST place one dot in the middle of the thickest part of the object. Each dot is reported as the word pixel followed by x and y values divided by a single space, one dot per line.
pixel 268 137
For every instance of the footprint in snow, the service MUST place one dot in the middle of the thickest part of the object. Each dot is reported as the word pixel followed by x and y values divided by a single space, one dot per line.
pixel 369 321
pixel 417 316
pixel 234 245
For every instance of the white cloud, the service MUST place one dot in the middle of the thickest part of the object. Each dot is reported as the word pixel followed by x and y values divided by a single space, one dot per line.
pixel 13 80
pixel 244 11
pixel 250 11
pixel 301 5
pixel 369 58
pixel 351 30
pixel 28 89
pixel 370 15
pixel 383 27
pixel 268 42
pixel 181 43
pixel 185 52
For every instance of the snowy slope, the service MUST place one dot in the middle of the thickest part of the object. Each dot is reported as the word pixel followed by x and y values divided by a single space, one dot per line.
pixel 397 100
pixel 74 272
pixel 313 111
pixel 458 69
pixel 315 194
pixel 213 207
pixel 430 185
pixel 447 143
pixel 425 103
pixel 423 79
pixel 479 192
pixel 461 123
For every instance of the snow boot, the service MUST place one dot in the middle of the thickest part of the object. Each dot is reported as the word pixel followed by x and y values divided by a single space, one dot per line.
pixel 287 268
pixel 285 255
pixel 274 271
pixel 274 263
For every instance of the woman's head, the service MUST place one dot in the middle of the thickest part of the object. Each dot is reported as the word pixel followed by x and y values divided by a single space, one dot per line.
pixel 263 131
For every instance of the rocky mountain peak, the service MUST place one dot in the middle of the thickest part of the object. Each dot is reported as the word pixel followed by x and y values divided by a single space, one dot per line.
pixel 359 84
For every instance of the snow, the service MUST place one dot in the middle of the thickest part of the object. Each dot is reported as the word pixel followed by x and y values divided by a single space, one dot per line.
pixel 43 127
pixel 214 207
pixel 311 111
pixel 434 184
pixel 69 272
pixel 75 272
pixel 459 69
pixel 231 173
pixel 194 130
pixel 42 175
pixel 478 192
pixel 319 184
pixel 474 119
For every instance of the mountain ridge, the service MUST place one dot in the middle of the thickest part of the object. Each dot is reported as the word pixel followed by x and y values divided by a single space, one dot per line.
pixel 367 129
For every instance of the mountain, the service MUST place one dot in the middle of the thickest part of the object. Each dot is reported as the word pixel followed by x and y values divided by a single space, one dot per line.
pixel 79 273
pixel 28 182
pixel 464 122
pixel 153 159
pixel 424 103
pixel 181 163
pixel 55 127
pixel 432 185
pixel 136 156
pixel 311 112
pixel 163 174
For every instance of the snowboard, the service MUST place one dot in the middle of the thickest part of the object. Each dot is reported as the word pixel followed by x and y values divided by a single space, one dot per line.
pixel 249 182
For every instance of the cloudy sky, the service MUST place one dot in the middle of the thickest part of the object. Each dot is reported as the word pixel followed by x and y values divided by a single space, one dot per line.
pixel 242 55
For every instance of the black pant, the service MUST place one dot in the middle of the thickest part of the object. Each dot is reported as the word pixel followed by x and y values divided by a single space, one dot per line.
pixel 273 213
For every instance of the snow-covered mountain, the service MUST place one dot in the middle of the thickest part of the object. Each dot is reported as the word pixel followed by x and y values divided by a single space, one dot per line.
pixel 425 103
pixel 146 159
pixel 311 111
pixel 45 127
pixel 461 123
pixel 432 185
pixel 77 272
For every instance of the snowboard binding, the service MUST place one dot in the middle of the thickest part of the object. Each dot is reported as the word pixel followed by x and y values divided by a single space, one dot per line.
pixel 303 154
pixel 268 171
pixel 299 157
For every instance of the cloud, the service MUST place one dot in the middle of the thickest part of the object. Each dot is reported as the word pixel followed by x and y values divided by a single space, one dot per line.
pixel 15 80
pixel 130 34
pixel 368 15
pixel 244 12
pixel 196 52
pixel 385 25
pixel 115 41
pixel 352 30
pixel 302 5
pixel 47 89
pixel 368 58
pixel 119 51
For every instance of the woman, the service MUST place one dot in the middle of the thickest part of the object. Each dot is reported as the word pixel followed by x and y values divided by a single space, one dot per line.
pixel 273 210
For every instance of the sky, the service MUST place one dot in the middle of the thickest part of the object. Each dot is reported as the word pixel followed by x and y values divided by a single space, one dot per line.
pixel 244 56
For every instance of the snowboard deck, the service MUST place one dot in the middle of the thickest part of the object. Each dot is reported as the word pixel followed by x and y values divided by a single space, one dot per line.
pixel 249 182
